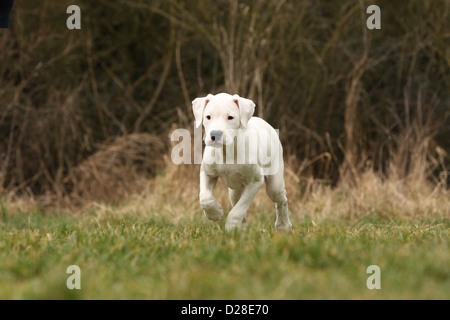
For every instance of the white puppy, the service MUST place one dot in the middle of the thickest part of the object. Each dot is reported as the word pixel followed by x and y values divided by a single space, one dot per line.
pixel 244 151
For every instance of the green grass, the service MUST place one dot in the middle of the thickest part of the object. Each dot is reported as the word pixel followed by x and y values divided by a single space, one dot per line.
pixel 135 257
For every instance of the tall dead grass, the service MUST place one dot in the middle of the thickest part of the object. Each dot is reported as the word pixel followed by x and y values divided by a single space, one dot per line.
pixel 173 196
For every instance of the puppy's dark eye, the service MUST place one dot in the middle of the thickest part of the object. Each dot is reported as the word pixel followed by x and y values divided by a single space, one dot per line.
pixel 230 118
pixel 208 117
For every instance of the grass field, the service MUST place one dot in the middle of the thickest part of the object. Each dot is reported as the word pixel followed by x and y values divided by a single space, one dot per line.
pixel 148 256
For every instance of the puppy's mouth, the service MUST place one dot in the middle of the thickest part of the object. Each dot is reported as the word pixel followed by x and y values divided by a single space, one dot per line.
pixel 216 144
pixel 220 143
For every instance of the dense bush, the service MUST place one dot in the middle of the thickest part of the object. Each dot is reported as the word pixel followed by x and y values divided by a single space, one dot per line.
pixel 344 97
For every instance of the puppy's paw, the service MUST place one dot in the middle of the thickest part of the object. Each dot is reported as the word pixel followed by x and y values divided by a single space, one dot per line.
pixel 211 209
pixel 213 216
pixel 233 223
pixel 283 227
pixel 230 226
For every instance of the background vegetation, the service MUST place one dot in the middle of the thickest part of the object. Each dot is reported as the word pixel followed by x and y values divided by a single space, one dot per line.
pixel 86 176
pixel 344 98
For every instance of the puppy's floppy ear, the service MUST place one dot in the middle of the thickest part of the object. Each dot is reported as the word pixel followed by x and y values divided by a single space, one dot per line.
pixel 198 106
pixel 246 109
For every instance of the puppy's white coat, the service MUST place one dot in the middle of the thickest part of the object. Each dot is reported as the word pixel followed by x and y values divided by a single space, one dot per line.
pixel 227 119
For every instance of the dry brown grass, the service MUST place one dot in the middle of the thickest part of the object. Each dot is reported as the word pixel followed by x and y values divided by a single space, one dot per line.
pixel 174 195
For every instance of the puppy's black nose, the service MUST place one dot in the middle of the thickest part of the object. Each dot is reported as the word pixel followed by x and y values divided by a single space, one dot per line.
pixel 216 135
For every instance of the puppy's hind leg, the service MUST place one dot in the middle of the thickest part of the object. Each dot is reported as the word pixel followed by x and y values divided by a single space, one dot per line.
pixel 277 193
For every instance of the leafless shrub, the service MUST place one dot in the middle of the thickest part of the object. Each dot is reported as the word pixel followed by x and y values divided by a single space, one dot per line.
pixel 120 168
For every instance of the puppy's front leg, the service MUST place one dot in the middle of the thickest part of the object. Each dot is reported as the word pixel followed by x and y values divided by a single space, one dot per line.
pixel 239 211
pixel 211 208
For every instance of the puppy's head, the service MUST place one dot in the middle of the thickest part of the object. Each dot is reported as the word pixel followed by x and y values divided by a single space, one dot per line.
pixel 222 115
